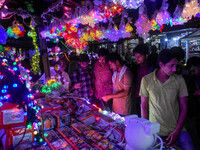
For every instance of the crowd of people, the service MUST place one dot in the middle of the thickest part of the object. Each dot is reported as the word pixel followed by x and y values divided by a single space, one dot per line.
pixel 157 86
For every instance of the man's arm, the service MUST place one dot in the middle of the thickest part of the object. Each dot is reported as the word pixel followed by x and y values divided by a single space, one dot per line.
pixel 119 94
pixel 126 88
pixel 183 111
pixel 144 107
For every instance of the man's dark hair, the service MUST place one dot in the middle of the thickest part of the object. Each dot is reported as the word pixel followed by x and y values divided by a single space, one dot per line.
pixel 178 52
pixel 103 52
pixel 153 49
pixel 113 57
pixel 193 61
pixel 165 56
pixel 142 49
pixel 83 58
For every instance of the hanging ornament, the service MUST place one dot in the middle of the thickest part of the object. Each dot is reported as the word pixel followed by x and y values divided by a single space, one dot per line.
pixel 1 3
pixel 3 35
pixel 128 27
pixel 190 9
pixel 177 19
pixel 99 34
pixel 143 24
pixel 163 16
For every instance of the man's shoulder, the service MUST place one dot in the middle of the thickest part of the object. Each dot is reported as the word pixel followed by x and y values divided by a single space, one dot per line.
pixel 149 76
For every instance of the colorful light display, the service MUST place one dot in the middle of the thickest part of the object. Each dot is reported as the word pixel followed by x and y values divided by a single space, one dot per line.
pixel 190 9
pixel 36 57
pixel 16 31
pixel 129 4
pixel 143 24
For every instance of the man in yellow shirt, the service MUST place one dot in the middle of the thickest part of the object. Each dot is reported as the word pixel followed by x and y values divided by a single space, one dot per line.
pixel 164 100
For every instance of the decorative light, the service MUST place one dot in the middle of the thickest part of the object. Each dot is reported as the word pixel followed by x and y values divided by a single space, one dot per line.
pixel 143 25
pixel 15 85
pixel 129 4
pixel 1 3
pixel 190 9
pixel 36 57
pixel 163 16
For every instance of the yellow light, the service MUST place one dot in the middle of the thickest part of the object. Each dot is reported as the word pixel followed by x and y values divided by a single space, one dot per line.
pixel 35 132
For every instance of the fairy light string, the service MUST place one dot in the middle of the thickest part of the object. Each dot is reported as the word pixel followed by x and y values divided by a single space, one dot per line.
pixel 36 57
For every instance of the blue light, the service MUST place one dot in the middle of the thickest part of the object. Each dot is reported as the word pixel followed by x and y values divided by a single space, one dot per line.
pixel 1 97
pixel 29 96
pixel 1 104
pixel 25 114
pixel 15 85
pixel 3 91
pixel 5 86
pixel 4 60
pixel 1 77
pixel 15 68
pixel 45 143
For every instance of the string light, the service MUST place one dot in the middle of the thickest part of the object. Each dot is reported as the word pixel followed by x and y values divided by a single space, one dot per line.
pixel 36 57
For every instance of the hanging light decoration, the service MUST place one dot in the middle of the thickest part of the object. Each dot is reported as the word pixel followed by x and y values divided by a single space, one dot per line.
pixel 190 9
pixel 36 57
pixel 143 24
pixel 129 4
pixel 1 3
pixel 177 19
pixel 163 16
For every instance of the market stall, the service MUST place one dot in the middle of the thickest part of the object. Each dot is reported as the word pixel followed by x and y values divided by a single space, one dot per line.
pixel 36 36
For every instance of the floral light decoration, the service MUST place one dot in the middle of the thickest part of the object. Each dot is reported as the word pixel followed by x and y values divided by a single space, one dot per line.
pixel 143 24
pixel 98 14
pixel 3 35
pixel 16 31
pixel 163 16
pixel 129 4
pixel 36 57
pixel 190 9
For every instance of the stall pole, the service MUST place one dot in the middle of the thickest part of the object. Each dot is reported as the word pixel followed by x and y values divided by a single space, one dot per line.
pixel 187 50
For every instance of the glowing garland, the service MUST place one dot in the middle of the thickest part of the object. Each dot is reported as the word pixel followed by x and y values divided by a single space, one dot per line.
pixel 36 57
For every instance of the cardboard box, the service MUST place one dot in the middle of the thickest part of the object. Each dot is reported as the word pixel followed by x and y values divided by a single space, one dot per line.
pixel 62 118
pixel 72 138
pixel 43 105
pixel 12 136
pixel 11 116
pixel 47 119
pixel 55 142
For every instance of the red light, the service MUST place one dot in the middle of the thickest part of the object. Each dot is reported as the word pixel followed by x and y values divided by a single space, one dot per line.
pixel 98 118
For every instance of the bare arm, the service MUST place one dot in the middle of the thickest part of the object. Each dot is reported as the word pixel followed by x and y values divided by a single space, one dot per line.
pixel 119 94
pixel 183 111
pixel 145 107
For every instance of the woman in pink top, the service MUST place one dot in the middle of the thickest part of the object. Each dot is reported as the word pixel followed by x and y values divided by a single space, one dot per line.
pixel 102 77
